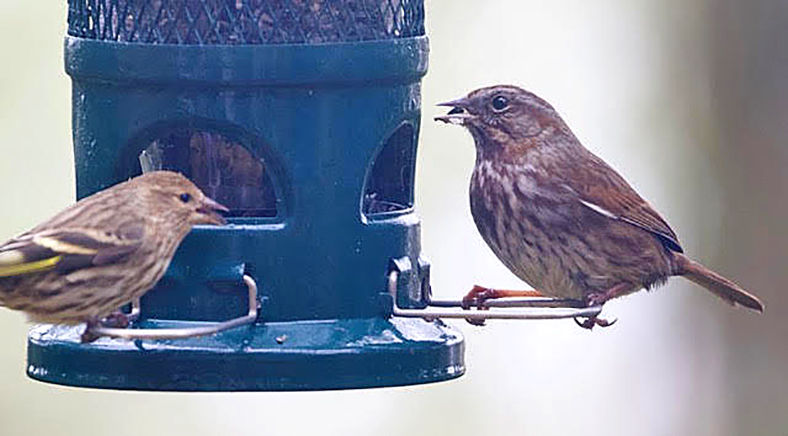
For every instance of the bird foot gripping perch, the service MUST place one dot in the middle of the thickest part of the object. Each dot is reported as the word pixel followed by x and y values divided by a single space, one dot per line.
pixel 114 326
pixel 476 310
pixel 479 296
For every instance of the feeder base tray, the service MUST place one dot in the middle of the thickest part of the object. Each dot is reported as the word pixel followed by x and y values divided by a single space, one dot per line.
pixel 279 356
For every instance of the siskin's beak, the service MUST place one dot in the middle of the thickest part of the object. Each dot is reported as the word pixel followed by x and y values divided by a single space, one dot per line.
pixel 458 114
pixel 210 212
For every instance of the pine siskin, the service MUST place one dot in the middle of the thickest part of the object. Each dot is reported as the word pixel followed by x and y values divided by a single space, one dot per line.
pixel 104 251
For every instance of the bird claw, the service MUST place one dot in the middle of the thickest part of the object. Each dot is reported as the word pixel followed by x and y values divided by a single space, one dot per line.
pixel 590 322
pixel 476 322
pixel 598 299
pixel 116 319
pixel 476 297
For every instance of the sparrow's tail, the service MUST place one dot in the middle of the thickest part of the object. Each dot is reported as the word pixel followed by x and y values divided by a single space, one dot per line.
pixel 717 284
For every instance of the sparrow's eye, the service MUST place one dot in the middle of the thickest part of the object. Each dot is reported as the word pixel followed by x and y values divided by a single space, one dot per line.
pixel 500 103
pixel 185 197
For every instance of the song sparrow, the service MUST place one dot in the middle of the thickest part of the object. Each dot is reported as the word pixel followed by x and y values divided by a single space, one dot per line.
pixel 558 216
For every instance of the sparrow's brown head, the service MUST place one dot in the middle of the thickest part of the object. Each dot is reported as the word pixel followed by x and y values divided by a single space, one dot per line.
pixel 501 115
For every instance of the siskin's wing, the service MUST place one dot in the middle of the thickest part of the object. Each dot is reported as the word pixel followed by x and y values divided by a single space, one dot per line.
pixel 66 250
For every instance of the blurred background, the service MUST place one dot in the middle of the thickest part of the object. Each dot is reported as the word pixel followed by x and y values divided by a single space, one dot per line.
pixel 688 100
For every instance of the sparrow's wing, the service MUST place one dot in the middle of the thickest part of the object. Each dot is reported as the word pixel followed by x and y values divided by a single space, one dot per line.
pixel 66 250
pixel 600 188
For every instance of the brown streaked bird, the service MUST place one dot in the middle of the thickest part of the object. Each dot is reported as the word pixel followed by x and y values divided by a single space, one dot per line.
pixel 102 252
pixel 559 217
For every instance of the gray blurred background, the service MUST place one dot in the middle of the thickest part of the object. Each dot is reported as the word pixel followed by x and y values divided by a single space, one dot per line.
pixel 687 99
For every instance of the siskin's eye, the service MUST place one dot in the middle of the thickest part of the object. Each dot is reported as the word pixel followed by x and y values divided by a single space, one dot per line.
pixel 500 103
pixel 185 197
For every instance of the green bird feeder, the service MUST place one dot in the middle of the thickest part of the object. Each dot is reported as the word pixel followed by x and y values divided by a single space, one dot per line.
pixel 303 118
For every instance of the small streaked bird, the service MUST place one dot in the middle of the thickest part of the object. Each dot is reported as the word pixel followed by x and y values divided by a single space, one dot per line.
pixel 106 250
pixel 558 216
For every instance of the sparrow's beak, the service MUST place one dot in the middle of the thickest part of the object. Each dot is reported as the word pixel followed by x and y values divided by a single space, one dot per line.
pixel 210 211
pixel 458 114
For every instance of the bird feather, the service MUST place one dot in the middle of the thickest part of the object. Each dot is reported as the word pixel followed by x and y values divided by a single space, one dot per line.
pixel 66 250
pixel 599 188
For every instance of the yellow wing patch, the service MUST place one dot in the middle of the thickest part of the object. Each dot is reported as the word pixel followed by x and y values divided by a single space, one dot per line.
pixel 62 250
pixel 8 270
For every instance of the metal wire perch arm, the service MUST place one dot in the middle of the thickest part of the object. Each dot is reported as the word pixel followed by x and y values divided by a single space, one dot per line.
pixel 536 307
pixel 179 333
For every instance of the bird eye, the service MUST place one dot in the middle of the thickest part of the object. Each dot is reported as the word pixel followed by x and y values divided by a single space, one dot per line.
pixel 500 103
pixel 185 197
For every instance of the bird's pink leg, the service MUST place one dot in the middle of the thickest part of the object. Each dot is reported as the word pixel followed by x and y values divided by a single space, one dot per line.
pixel 479 294
pixel 598 299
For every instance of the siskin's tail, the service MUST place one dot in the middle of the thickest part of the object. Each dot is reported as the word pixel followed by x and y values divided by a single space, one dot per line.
pixel 717 284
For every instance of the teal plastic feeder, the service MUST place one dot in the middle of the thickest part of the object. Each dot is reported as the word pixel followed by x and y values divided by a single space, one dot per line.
pixel 303 118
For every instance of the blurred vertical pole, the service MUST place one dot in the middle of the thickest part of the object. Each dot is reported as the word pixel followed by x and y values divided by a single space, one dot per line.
pixel 750 85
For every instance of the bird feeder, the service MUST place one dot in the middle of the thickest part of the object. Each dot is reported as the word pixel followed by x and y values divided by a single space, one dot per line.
pixel 301 116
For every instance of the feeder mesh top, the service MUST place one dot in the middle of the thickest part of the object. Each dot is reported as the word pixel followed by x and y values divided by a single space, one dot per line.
pixel 204 22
